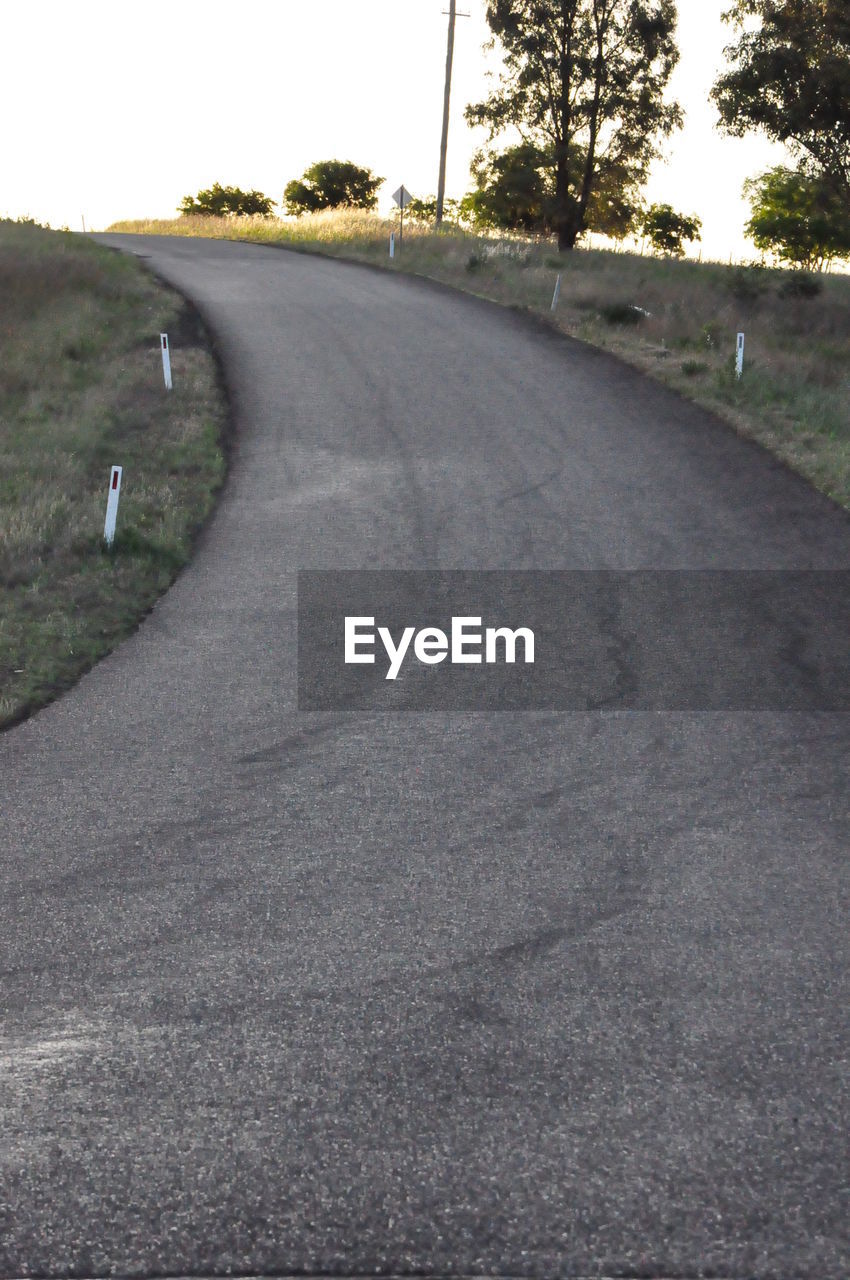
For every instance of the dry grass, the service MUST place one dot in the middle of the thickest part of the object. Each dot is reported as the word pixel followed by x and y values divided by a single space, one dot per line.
pixel 80 389
pixel 352 229
pixel 794 396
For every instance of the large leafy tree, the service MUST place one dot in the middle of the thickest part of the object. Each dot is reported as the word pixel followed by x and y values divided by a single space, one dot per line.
pixel 515 190
pixel 789 76
pixel 798 217
pixel 219 201
pixel 330 184
pixel 584 82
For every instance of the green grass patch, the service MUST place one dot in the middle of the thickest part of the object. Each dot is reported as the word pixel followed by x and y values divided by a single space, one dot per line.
pixel 81 389
pixel 693 368
pixel 795 393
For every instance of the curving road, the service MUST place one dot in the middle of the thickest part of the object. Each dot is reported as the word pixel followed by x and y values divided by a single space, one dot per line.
pixel 515 994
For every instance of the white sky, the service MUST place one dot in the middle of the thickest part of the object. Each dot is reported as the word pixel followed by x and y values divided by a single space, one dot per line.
pixel 117 110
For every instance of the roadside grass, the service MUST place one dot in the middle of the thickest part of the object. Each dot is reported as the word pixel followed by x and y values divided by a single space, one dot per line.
pixel 794 396
pixel 81 388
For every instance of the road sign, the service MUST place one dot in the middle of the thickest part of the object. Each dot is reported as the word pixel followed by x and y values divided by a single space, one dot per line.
pixel 402 198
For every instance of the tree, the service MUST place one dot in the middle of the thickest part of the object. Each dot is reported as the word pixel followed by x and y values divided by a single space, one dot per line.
pixel 790 78
pixel 330 184
pixel 514 190
pixel 668 230
pixel 583 82
pixel 798 217
pixel 615 207
pixel 219 201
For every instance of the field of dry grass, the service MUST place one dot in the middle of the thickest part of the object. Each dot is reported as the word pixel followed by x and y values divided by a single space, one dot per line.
pixel 81 388
pixel 794 396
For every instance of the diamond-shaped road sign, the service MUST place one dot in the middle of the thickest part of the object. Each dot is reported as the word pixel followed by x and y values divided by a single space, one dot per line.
pixel 402 197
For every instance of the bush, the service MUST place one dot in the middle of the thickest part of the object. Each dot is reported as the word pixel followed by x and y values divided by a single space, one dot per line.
pixel 219 202
pixel 332 184
pixel 800 284
pixel 622 313
pixel 747 284
pixel 425 211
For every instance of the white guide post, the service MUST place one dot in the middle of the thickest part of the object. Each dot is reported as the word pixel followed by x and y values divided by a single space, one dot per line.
pixel 739 356
pixel 112 504
pixel 166 360
pixel 392 244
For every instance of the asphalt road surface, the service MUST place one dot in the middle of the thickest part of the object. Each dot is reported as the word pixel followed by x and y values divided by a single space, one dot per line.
pixel 531 994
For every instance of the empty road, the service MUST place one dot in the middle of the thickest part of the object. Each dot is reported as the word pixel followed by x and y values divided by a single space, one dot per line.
pixel 501 993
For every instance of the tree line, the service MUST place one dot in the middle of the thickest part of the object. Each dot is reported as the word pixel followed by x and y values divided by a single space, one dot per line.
pixel 581 110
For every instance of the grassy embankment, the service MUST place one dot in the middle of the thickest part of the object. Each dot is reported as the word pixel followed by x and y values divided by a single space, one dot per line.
pixel 81 388
pixel 795 393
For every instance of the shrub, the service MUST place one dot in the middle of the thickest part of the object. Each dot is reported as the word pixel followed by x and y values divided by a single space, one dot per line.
pixel 800 284
pixel 425 211
pixel 622 313
pixel 332 184
pixel 219 201
pixel 747 284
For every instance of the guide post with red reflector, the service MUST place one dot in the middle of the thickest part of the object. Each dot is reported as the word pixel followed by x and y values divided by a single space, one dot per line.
pixel 166 360
pixel 112 505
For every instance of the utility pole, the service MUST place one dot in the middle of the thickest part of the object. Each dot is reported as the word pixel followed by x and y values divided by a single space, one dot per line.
pixel 444 141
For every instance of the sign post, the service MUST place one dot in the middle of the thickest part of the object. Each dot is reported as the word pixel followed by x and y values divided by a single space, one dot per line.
pixel 166 360
pixel 112 505
pixel 402 198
